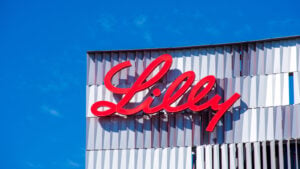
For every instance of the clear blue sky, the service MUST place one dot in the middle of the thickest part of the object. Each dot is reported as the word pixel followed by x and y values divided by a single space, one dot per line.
pixel 43 48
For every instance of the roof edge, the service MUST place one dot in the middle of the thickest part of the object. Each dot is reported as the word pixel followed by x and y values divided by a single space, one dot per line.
pixel 196 46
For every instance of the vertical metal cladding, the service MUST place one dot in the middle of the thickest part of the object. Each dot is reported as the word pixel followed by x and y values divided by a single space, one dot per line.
pixel 260 131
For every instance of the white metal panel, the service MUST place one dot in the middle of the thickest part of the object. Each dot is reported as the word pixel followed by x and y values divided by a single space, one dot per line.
pixel 156 158
pixel 285 57
pixel 277 89
pixel 90 155
pixel 269 58
pixel 248 156
pixel 253 92
pixel 140 158
pixel 196 63
pixel 224 151
pixel 91 99
pixel 115 159
pixel 90 131
pixel 131 158
pixel 200 163
pixel 270 123
pixel 187 60
pixel 262 85
pixel 211 61
pixel 254 125
pixel 123 159
pixel 240 155
pixel 257 157
pixel 216 156
pixel 276 57
pixel 246 123
pixel 188 157
pixel 269 91
pixel 228 62
pixel 164 158
pixel 204 63
pixel 262 124
pixel 285 88
pixel 293 56
pixel 99 160
pixel 220 62
pixel 208 157
pixel 273 155
pixel 172 158
pixel 232 152
pixel 296 87
pixel 149 157
pixel 107 159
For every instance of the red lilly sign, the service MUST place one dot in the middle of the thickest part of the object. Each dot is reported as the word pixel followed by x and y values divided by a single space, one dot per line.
pixel 173 93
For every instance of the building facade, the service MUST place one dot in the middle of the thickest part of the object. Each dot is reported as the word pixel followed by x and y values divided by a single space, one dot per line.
pixel 261 130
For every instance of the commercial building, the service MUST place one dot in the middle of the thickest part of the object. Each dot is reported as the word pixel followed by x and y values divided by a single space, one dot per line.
pixel 260 130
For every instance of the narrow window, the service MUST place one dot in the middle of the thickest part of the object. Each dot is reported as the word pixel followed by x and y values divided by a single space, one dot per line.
pixel 291 88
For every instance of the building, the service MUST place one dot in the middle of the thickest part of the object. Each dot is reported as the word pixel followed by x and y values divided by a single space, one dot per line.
pixel 260 130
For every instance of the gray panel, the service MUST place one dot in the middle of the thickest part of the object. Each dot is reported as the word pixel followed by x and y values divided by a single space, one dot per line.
pixel 197 129
pixel 188 130
pixel 245 61
pixel 253 59
pixel 228 62
pixel 264 155
pixel 260 58
pixel 91 73
pixel 241 159
pixel 287 122
pixel 236 61
pixel 131 132
pixel 147 132
pixel 155 131
pixel 164 131
pixel 139 132
pixel 273 155
pixel 179 130
pixel 248 156
pixel 100 67
pixel 220 62
pixel 268 57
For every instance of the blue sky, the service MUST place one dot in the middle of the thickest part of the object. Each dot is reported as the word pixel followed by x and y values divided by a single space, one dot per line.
pixel 43 48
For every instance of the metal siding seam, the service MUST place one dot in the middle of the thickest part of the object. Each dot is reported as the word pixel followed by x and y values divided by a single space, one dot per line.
pixel 187 130
pixel 187 60
pixel 155 131
pixel 164 158
pixel 131 158
pixel 188 157
pixel 91 99
pixel 115 60
pixel 253 92
pixel 179 129
pixel 107 159
pixel 123 74
pixel 139 131
pixel 196 129
pixel 156 158
pixel 245 125
pixel 115 159
pixel 173 159
pixel 164 130
pixel 288 154
pixel 99 71
pixel 105 122
pixel 237 88
pixel 245 90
